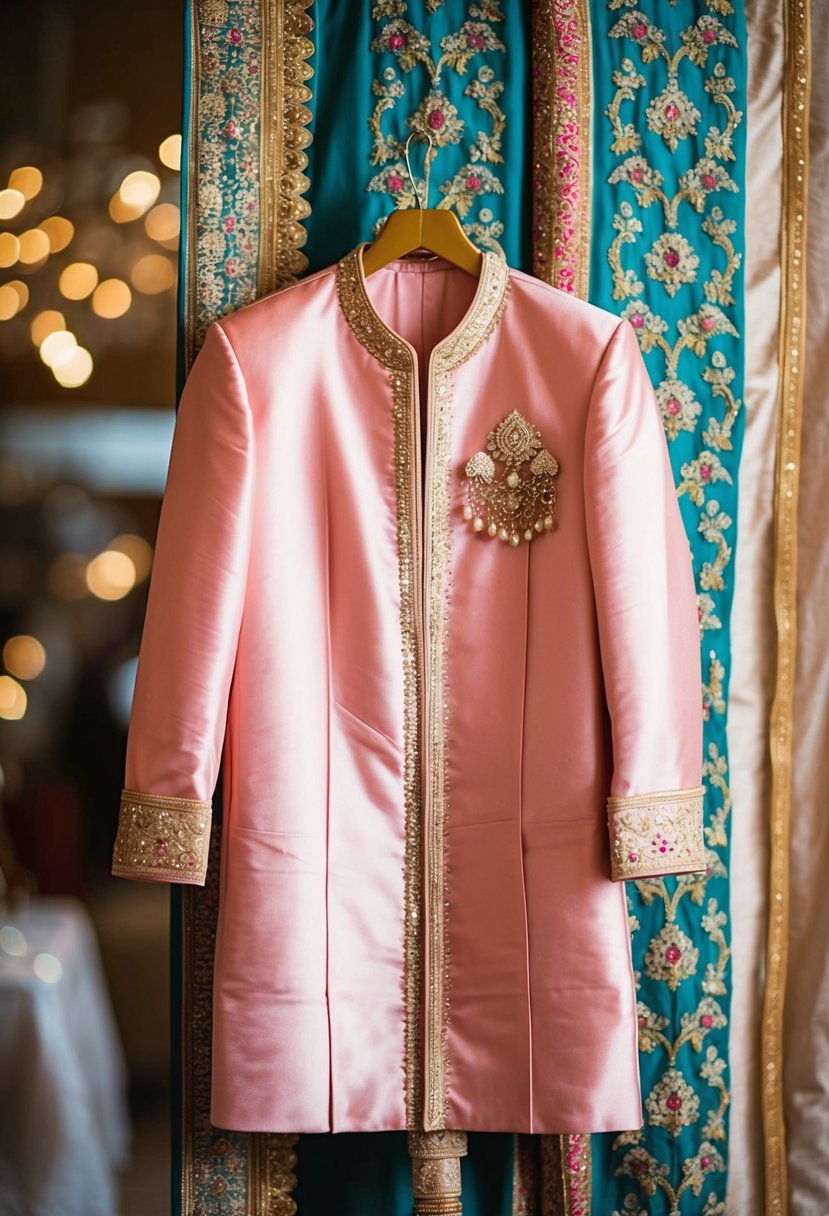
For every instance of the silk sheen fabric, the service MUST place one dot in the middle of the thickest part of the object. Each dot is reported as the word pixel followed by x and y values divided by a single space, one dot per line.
pixel 274 623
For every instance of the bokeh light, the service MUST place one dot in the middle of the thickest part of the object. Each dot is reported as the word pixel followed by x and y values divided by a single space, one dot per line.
pixel 110 575
pixel 152 274
pixel 13 699
pixel 169 152
pixel 12 941
pixel 74 370
pixel 78 280
pixel 27 179
pixel 12 203
pixel 59 231
pixel 139 189
pixel 111 298
pixel 24 656
pixel 9 249
pixel 138 550
pixel 57 346
pixel 121 212
pixel 34 246
pixel 47 968
pixel 13 297
pixel 163 223
pixel 45 323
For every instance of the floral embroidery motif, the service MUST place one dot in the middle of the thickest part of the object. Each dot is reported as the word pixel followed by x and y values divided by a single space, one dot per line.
pixel 433 113
pixel 163 838
pixel 656 833
pixel 671 956
pixel 672 1103
pixel 517 506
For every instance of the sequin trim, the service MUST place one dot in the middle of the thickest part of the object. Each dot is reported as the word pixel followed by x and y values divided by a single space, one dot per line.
pixel 424 663
pixel 163 839
pixel 656 834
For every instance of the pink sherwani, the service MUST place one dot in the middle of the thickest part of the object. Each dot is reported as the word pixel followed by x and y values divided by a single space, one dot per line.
pixel 421 582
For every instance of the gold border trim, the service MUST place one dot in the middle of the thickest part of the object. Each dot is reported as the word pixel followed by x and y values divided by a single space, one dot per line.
pixel 795 118
pixel 188 920
pixel 272 1163
pixel 397 359
pixel 423 664
pixel 561 144
pixel 284 138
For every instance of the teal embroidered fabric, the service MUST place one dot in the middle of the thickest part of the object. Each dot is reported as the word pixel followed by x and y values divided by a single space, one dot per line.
pixel 456 70
pixel 669 86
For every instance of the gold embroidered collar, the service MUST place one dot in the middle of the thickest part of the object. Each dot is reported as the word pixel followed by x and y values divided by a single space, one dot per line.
pixel 389 348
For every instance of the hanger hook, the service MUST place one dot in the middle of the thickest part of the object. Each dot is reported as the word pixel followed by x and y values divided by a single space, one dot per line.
pixel 427 164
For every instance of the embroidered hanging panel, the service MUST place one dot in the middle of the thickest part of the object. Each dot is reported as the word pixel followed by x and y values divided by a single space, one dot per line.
pixel 666 253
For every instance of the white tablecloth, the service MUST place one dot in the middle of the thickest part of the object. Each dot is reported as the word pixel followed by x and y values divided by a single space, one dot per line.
pixel 63 1117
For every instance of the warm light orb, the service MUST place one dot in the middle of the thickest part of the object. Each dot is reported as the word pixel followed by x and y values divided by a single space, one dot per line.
pixel 9 249
pixel 67 576
pixel 78 280
pixel 111 298
pixel 110 575
pixel 169 152
pixel 164 222
pixel 24 656
pixel 34 246
pixel 74 370
pixel 138 550
pixel 13 699
pixel 45 323
pixel 121 213
pixel 59 231
pixel 13 297
pixel 12 203
pixel 57 346
pixel 27 179
pixel 139 189
pixel 152 274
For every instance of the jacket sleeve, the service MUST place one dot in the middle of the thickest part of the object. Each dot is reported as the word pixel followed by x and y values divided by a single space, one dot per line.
pixel 648 624
pixel 191 628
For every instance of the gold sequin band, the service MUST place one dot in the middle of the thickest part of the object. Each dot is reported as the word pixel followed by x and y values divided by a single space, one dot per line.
pixel 658 833
pixel 436 1172
pixel 162 839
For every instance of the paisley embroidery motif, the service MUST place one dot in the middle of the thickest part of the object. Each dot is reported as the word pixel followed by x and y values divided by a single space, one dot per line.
pixel 517 506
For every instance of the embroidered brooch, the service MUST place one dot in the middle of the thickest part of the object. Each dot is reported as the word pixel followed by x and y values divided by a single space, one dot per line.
pixel 521 503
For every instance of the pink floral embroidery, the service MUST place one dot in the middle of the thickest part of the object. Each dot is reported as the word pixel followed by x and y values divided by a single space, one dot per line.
pixel 436 119
pixel 235 37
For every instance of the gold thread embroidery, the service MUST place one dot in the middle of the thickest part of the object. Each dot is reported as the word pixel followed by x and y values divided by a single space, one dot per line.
pixel 513 507
pixel 561 143
pixel 396 358
pixel 425 801
pixel 162 838
pixel 796 99
pixel 272 1160
pixel 486 312
pixel 658 833
pixel 285 135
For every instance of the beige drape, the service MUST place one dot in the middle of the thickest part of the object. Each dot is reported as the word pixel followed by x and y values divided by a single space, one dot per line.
pixel 806 1022
pixel 753 629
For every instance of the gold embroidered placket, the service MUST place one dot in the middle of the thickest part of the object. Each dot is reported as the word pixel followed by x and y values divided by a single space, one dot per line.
pixel 423 586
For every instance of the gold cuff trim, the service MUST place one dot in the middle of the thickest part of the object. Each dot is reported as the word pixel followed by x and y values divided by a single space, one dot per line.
pixel 656 834
pixel 162 839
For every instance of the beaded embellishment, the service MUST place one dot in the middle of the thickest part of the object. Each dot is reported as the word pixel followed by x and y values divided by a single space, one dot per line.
pixel 521 503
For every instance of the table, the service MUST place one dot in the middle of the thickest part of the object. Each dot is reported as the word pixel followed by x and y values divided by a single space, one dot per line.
pixel 64 1126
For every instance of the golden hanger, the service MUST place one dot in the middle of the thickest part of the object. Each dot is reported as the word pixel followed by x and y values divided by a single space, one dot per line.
pixel 421 227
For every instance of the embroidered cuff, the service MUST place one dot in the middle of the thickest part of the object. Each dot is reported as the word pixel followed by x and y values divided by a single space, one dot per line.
pixel 162 839
pixel 656 834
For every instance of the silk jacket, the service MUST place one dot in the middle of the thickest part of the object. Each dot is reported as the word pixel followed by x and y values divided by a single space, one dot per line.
pixel 421 581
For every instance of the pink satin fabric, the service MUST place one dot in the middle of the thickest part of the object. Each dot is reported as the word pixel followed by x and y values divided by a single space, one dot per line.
pixel 273 632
